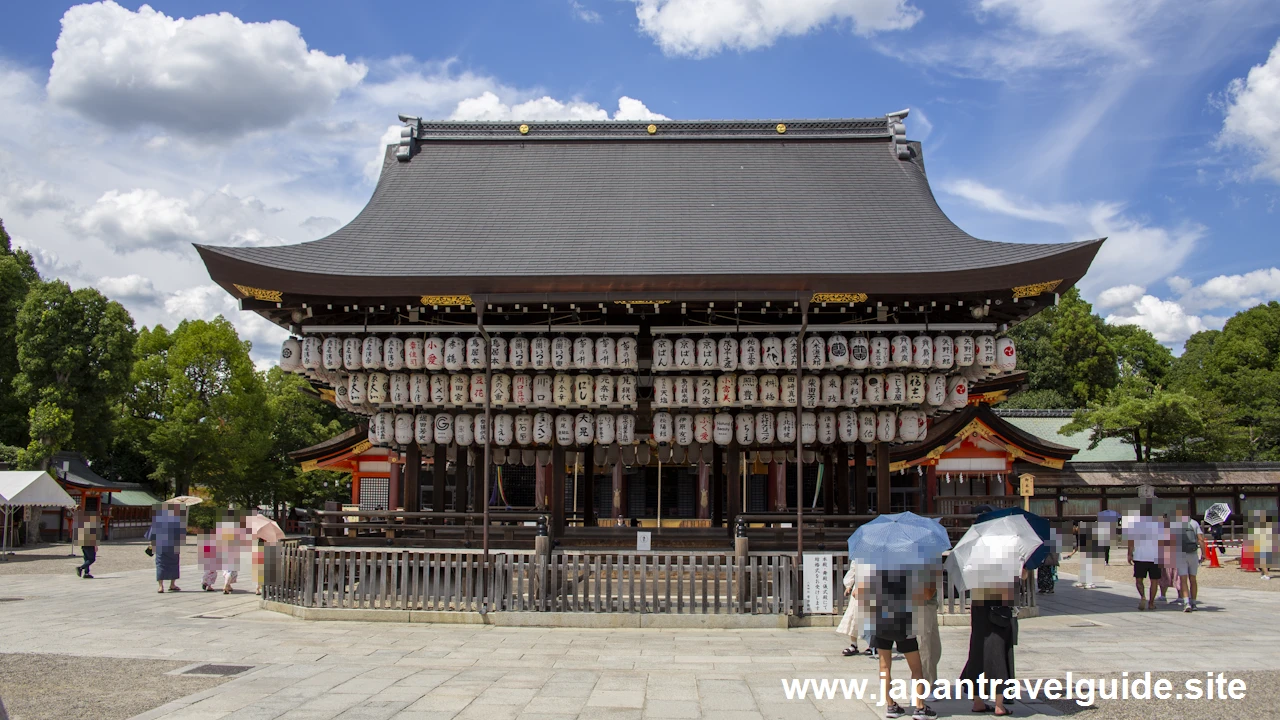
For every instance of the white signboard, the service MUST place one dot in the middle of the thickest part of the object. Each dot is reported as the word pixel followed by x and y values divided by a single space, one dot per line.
pixel 644 541
pixel 817 584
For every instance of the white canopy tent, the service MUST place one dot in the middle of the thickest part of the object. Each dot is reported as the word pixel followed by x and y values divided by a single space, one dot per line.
pixel 24 488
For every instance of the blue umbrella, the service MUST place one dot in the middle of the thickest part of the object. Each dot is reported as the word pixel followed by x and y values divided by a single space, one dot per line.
pixel 1037 523
pixel 898 541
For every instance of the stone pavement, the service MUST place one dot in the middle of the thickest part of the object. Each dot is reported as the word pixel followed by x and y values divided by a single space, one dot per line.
pixel 324 670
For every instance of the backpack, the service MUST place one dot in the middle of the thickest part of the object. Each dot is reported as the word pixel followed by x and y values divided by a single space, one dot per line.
pixel 1190 538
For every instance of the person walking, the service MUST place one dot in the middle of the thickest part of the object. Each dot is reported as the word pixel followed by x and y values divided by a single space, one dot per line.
pixel 992 635
pixel 88 527
pixel 167 532
pixel 1089 541
pixel 1143 538
pixel 893 623
pixel 1188 537
pixel 854 622
pixel 1169 556
pixel 1047 573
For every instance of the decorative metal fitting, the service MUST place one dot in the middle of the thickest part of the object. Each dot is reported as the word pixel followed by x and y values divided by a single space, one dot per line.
pixel 524 129
pixel 652 129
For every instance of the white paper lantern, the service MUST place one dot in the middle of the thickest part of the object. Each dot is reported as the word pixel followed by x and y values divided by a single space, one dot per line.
pixel 463 430
pixel 764 428
pixel 748 389
pixel 626 354
pixel 544 428
pixel 908 426
pixel 400 389
pixel 480 428
pixel 353 346
pixel 957 392
pixel 964 351
pixel 879 352
pixel 373 432
pixel 886 426
pixel 703 428
pixel 604 390
pixel 442 428
pixel 383 426
pixel 788 390
pixel 662 427
pixel 685 353
pixel 455 353
pixel 584 389
pixel 684 392
pixel 810 391
pixel 497 352
pixel 684 429
pixel 986 350
pixel 404 428
pixel 786 427
pixel 422 428
pixel 524 429
pixel 706 353
pixel 1006 355
pixel 563 391
pixel 866 426
pixel 873 389
pixel 727 354
pixel 705 391
pixel 459 389
pixel 663 354
pixel 791 352
pixel 518 352
pixel 852 390
pixel 564 430
pixel 627 394
pixel 944 352
pixel 503 429
pixel 561 353
pixel 475 354
pixel 663 391
pixel 332 353
pixel 419 389
pixel 540 352
pixel 604 352
pixel 915 388
pixel 847 426
pixel 900 351
pixel 744 428
pixel 859 352
pixel 584 353
pixel 626 429
pixel 827 428
pixel 922 351
pixel 726 386
pixel 815 352
pixel 771 352
pixel 379 385
pixel 808 428
pixel 393 354
pixel 501 389
pixel 414 359
pixel 770 391
pixel 935 392
pixel 440 389
pixel 749 353
pixel 722 428
pixel 605 428
pixel 371 353
pixel 584 428
pixel 291 355
pixel 522 390
pixel 477 388
pixel 312 352
pixel 543 392
pixel 838 351
pixel 895 388
pixel 832 390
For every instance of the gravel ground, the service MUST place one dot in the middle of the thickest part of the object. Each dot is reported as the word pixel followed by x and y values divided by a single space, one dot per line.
pixel 1261 701
pixel 113 556
pixel 1229 575
pixel 35 687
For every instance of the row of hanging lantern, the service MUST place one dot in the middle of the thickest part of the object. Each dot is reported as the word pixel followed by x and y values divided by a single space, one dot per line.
pixel 525 429
pixel 836 351
pixel 936 391
pixel 435 353
pixel 459 389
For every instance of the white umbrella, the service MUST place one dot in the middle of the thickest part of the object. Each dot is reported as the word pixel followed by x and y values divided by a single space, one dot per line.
pixel 1217 514
pixel 991 554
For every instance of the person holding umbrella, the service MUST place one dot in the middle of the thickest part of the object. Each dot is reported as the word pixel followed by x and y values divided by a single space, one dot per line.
pixel 167 533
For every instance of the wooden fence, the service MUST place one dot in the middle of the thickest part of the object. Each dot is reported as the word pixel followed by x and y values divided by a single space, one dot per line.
pixel 593 582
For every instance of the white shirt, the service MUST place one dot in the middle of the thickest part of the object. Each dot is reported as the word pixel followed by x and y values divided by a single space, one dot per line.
pixel 1145 535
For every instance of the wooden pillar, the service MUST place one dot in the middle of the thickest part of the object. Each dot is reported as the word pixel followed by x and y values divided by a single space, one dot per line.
pixel 860 479
pixel 540 473
pixel 439 469
pixel 717 487
pixel 355 487
pixel 733 480
pixel 931 489
pixel 882 478
pixel 557 493
pixel 779 480
pixel 704 491
pixel 828 485
pixel 840 477
pixel 619 505
pixel 393 484
pixel 587 481
pixel 413 478
pixel 461 480
pixel 770 471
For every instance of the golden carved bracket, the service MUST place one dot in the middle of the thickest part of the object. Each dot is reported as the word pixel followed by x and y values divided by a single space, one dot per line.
pixel 462 300
pixel 839 297
pixel 259 293
pixel 1026 291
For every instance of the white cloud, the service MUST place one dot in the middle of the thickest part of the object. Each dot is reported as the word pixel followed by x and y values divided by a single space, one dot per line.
pixel 1120 296
pixel 29 198
pixel 998 201
pixel 130 288
pixel 319 225
pixel 1235 292
pixel 206 302
pixel 632 109
pixel 139 219
pixel 583 12
pixel 1102 24
pixel 1252 115
pixel 211 75
pixel 48 263
pixel 700 28
pixel 1168 321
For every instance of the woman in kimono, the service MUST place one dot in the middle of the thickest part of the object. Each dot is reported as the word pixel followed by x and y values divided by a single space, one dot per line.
pixel 167 532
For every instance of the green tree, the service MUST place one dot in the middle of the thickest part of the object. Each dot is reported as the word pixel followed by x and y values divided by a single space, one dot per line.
pixel 1150 419
pixel 75 350
pixel 1138 352
pixel 17 275
pixel 1241 370
pixel 1064 349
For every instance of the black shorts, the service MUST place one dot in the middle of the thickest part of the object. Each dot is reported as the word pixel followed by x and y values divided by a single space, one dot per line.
pixel 905 646
pixel 1143 569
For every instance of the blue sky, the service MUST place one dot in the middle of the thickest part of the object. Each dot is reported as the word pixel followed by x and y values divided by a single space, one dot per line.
pixel 131 131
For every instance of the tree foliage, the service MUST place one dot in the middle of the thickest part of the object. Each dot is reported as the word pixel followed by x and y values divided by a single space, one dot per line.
pixel 17 275
pixel 1150 419
pixel 1066 351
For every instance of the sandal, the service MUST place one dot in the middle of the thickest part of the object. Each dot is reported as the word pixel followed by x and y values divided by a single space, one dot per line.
pixel 226 591
pixel 174 588
pixel 985 709
pixel 161 590
pixel 850 651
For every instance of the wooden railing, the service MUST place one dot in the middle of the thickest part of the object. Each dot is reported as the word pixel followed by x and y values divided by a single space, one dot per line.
pixel 604 582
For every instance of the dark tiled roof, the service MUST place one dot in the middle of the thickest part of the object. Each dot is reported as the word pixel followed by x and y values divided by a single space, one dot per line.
pixel 480 208
pixel 72 468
